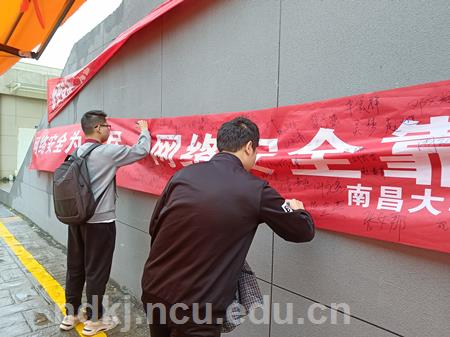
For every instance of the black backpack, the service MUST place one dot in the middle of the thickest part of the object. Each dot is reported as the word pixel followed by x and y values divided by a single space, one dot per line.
pixel 73 198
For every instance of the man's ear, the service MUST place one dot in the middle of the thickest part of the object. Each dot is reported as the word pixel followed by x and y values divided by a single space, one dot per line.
pixel 249 147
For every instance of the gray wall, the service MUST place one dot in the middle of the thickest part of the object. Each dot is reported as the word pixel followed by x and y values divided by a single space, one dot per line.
pixel 230 55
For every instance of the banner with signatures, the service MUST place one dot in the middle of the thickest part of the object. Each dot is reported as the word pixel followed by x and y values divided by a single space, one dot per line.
pixel 61 90
pixel 375 165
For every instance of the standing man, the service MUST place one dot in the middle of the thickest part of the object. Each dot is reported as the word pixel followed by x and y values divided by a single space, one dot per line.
pixel 90 246
pixel 202 228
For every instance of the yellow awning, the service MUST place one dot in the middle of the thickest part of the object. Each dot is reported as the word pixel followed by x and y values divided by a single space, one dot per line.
pixel 27 24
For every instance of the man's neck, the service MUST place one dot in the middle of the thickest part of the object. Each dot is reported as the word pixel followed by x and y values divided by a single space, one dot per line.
pixel 93 138
pixel 237 154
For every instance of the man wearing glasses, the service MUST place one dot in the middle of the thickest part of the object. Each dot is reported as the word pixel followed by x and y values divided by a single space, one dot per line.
pixel 90 246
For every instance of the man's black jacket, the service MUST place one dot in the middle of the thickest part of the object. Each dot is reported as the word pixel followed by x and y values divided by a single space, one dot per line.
pixel 202 228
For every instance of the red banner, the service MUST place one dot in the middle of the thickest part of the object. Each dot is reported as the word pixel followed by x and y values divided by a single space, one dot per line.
pixel 374 165
pixel 60 91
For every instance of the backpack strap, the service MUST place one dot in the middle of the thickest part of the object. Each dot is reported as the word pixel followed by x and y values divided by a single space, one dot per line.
pixel 89 150
pixel 104 192
pixel 84 155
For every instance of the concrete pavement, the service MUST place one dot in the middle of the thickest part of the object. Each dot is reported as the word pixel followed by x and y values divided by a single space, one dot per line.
pixel 32 277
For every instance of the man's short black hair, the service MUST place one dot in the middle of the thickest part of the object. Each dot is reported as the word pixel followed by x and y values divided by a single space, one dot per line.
pixel 91 119
pixel 233 135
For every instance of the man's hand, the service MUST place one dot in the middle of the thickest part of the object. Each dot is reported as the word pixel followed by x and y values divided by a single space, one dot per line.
pixel 295 204
pixel 142 125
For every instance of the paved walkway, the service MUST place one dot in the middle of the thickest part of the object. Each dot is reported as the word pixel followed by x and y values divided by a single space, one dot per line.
pixel 32 277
